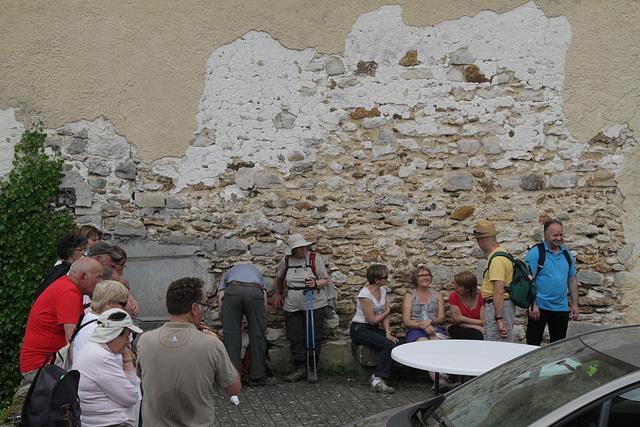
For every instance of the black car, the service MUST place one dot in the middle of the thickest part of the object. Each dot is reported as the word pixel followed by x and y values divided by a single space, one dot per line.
pixel 589 380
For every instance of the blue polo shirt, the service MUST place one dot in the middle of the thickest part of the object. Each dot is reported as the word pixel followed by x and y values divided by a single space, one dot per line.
pixel 552 280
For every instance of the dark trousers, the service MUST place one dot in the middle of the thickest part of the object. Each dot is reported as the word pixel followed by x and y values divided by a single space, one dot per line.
pixel 248 301
pixel 374 337
pixel 462 333
pixel 297 334
pixel 558 322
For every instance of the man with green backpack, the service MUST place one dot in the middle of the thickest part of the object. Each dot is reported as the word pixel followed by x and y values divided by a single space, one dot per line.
pixel 500 311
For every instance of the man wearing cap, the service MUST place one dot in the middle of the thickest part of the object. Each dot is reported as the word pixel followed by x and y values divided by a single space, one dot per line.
pixel 302 271
pixel 559 273
pixel 104 254
pixel 55 314
pixel 500 312
pixel 242 292
pixel 179 363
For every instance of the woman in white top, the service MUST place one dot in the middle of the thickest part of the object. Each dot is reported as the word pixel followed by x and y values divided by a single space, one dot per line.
pixel 108 389
pixel 372 309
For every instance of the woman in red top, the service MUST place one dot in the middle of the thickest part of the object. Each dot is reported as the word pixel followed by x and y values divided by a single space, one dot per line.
pixel 467 308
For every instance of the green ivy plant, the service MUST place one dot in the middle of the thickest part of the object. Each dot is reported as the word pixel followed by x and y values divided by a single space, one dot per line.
pixel 30 226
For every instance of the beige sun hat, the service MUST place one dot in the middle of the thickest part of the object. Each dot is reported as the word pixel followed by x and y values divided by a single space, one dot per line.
pixel 484 229
pixel 297 241
pixel 110 325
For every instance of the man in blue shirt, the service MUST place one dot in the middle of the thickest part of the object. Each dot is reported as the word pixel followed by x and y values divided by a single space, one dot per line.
pixel 554 272
pixel 243 292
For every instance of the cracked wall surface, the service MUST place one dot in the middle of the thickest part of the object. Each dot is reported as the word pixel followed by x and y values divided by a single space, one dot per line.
pixel 385 147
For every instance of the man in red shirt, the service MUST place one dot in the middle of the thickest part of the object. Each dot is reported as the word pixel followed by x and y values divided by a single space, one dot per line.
pixel 55 314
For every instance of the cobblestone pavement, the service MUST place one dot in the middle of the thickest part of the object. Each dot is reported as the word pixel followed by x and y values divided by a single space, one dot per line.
pixel 330 402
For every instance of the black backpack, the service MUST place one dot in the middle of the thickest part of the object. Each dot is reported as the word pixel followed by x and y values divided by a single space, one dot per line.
pixel 522 289
pixel 542 256
pixel 52 399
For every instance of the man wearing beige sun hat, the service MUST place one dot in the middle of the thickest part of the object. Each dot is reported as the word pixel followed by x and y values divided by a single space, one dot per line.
pixel 500 312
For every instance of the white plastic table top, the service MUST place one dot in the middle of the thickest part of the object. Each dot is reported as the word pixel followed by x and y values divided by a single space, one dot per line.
pixel 461 357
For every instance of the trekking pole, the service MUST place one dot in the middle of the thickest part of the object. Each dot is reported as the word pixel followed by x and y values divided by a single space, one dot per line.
pixel 306 318
pixel 313 338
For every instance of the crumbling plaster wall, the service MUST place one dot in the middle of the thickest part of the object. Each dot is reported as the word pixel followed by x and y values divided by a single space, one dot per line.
pixel 370 157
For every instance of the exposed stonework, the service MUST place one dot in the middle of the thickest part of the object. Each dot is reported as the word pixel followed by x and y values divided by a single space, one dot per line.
pixel 390 164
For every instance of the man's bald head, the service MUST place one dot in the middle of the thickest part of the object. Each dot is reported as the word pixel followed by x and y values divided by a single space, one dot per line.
pixel 85 273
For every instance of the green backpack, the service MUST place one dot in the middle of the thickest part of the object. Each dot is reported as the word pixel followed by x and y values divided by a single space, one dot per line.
pixel 522 289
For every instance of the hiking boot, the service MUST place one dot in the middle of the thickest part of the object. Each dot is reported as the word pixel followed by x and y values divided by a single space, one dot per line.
pixel 297 375
pixel 381 387
pixel 312 376
pixel 265 380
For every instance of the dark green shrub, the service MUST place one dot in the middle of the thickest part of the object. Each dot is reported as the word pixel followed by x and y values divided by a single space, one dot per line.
pixel 30 226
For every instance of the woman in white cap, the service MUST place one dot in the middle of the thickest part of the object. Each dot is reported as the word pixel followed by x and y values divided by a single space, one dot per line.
pixel 302 270
pixel 108 389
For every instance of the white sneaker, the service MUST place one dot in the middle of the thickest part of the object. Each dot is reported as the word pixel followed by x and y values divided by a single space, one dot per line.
pixel 381 387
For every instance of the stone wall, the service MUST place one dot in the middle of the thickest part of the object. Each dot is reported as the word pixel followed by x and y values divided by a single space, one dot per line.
pixel 387 153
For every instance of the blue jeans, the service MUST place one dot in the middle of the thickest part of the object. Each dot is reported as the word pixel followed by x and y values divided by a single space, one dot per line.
pixel 374 337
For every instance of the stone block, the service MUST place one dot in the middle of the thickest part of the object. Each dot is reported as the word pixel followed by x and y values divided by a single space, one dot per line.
pixel 417 73
pixel 386 136
pixel 205 138
pixel 563 180
pixel 267 180
pixel 384 152
pixel 149 199
pixel 469 146
pixel 129 227
pixel 462 213
pixel 73 180
pixel 458 162
pixel 262 249
pixel 458 181
pixel 590 278
pixel 172 203
pixel 431 234
pixel 284 120
pixel 73 145
pixel 230 247
pixel 126 170
pixel 245 178
pixel 334 66
pixel 532 182
pixel 281 228
pixel 97 183
pixel 98 167
pixel 625 254
pixel 491 145
pixel 252 221
pixel 462 57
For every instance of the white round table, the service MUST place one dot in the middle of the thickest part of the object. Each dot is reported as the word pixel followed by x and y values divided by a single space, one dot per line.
pixel 461 357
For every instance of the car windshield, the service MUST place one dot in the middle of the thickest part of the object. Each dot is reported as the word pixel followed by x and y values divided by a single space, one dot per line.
pixel 518 393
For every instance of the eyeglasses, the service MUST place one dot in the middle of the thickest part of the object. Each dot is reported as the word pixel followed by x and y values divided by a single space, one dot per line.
pixel 207 306
pixel 123 303
pixel 80 249
pixel 120 262
pixel 384 277
pixel 423 275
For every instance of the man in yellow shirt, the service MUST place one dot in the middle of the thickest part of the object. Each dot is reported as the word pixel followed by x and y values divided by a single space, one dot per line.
pixel 500 312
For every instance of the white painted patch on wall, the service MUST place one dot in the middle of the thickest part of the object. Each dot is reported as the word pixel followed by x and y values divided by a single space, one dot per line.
pixel 269 105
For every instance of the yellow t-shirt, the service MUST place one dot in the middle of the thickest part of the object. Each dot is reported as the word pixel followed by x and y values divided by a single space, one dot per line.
pixel 501 269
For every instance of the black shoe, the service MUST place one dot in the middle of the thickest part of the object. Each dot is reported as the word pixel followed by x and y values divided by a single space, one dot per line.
pixel 265 380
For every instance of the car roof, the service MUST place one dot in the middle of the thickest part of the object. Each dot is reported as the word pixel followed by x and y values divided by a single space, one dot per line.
pixel 622 343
